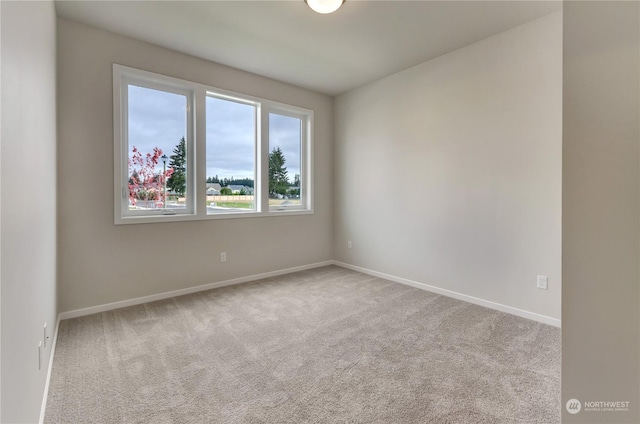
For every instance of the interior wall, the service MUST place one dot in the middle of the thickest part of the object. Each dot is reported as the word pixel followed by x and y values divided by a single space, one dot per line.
pixel 449 173
pixel 28 227
pixel 100 262
pixel 601 210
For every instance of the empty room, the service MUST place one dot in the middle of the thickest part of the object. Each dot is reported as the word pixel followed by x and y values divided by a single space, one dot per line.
pixel 320 211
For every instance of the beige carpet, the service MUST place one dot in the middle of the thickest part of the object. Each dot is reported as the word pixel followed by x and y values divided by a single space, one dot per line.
pixel 322 346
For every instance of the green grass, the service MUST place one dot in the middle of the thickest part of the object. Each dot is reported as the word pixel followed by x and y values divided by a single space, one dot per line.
pixel 236 205
pixel 248 204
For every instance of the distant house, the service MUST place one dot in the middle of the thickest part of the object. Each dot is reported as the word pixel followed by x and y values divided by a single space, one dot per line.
pixel 213 189
pixel 236 189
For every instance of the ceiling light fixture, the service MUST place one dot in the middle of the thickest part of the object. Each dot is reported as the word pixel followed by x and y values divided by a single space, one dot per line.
pixel 324 6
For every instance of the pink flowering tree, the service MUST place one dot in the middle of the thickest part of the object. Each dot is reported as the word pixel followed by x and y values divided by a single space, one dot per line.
pixel 145 181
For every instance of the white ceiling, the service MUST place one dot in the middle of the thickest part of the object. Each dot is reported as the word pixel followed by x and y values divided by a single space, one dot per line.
pixel 361 42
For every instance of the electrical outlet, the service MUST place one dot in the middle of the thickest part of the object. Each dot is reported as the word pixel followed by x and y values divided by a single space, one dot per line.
pixel 541 282
pixel 349 245
pixel 223 256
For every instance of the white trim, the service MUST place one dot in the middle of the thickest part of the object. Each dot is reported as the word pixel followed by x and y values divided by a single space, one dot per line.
pixel 166 295
pixel 475 300
pixel 189 290
pixel 54 342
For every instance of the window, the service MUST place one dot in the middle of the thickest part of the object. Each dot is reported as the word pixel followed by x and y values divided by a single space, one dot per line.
pixel 156 153
pixel 231 154
pixel 186 151
pixel 286 141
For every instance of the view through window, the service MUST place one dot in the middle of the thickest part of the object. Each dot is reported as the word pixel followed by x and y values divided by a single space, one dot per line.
pixel 157 168
pixel 285 138
pixel 231 151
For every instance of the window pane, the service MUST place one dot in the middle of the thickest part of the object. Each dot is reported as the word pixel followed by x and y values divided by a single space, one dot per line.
pixel 285 138
pixel 157 125
pixel 231 146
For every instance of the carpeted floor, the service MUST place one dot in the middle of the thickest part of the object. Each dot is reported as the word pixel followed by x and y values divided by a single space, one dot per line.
pixel 322 346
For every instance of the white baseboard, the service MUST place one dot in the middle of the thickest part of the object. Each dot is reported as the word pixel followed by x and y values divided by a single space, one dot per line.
pixel 166 295
pixel 475 300
pixel 54 341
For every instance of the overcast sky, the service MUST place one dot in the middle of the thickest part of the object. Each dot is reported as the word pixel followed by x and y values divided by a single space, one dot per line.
pixel 158 119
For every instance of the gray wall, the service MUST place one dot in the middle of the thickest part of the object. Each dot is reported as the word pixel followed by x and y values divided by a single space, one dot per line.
pixel 601 208
pixel 449 173
pixel 100 262
pixel 28 227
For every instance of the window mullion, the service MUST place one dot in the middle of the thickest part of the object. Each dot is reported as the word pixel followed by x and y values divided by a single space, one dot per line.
pixel 120 131
pixel 306 188
pixel 263 168
pixel 200 149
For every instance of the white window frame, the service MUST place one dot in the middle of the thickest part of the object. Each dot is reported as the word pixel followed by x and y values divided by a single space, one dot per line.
pixel 196 150
pixel 232 97
pixel 305 158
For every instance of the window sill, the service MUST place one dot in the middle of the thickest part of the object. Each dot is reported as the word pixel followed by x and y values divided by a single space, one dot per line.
pixel 192 217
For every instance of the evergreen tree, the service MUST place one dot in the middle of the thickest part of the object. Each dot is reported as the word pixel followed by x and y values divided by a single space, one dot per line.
pixel 278 178
pixel 178 181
